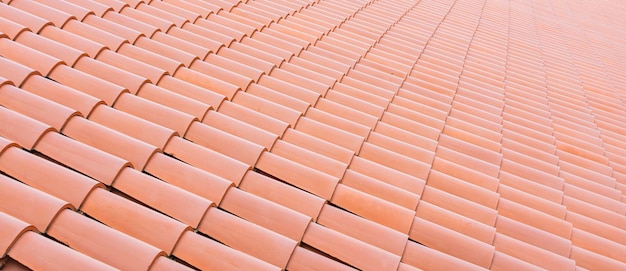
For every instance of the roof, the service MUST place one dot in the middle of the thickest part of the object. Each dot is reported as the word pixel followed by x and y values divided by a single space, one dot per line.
pixel 312 135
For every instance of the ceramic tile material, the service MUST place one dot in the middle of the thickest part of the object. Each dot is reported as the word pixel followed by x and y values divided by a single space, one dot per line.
pixel 312 135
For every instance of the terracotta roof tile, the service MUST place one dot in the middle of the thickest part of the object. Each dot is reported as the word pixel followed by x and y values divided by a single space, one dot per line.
pixel 395 134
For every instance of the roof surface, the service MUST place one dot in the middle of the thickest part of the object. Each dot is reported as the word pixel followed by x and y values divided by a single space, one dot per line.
pixel 312 135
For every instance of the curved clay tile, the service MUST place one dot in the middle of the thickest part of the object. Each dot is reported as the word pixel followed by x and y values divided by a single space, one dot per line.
pixel 166 264
pixel 48 253
pixel 277 97
pixel 34 171
pixel 10 29
pixel 235 232
pixel 224 74
pixel 407 137
pixel 203 9
pixel 280 40
pixel 112 210
pixel 249 116
pixel 19 128
pixel 174 100
pixel 460 205
pixel 65 53
pixel 251 61
pixel 423 257
pixel 146 29
pixel 57 17
pixel 100 166
pixel 29 204
pixel 208 82
pixel 112 41
pixel 303 258
pixel 35 107
pixel 309 158
pixel 266 213
pixel 241 129
pixel 455 222
pixel 352 251
pixel 532 254
pixel 207 254
pixel 102 243
pixel 380 189
pixel 463 189
pixel 61 94
pixel 12 229
pixel 224 143
pixel 268 108
pixel 363 229
pixel 108 140
pixel 17 74
pixel 317 145
pixel 206 159
pixel 189 178
pixel 388 175
pixel 31 21
pixel 234 66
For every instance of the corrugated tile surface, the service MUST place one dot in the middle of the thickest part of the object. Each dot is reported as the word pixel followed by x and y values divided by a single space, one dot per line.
pixel 312 135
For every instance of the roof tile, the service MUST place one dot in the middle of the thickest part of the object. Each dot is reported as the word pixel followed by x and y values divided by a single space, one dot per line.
pixel 48 254
pixel 108 245
pixel 35 171
pixel 29 204
pixel 352 251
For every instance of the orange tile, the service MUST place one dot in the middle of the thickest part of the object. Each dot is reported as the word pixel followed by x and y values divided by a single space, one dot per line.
pixel 358 93
pixel 25 131
pixel 595 199
pixel 167 15
pixel 362 229
pixel 148 132
pixel 393 160
pixel 88 84
pixel 206 253
pixel 181 44
pixel 48 255
pixel 203 97
pixel 532 254
pixel 462 189
pixel 101 34
pixel 35 107
pixel 136 152
pixel 597 244
pixel 346 112
pixel 423 257
pixel 352 251
pixel 107 207
pixel 265 213
pixel 156 113
pixel 11 29
pixel 112 74
pixel 411 126
pixel 278 97
pixel 327 132
pixel 53 48
pixel 187 177
pixel 466 174
pixel 455 222
pixel 317 145
pixel 223 74
pixel 460 206
pixel 151 58
pixel 208 82
pixel 29 204
pixel 309 158
pixel 405 136
pixel 191 15
pixel 224 29
pixel 33 22
pixel 233 231
pixel 247 115
pixel 222 39
pixel 163 264
pixel 18 73
pixel 245 69
pixel 534 232
pixel 182 205
pixel 388 175
pixel 174 100
pixel 380 189
pixel 306 178
pixel 266 107
pixel 451 242
pixel 386 213
pixel 34 171
pixel 303 66
pixel 288 84
pixel 305 259
pixel 502 261
pixel 591 260
pixel 224 143
pixel 12 230
pixel 146 29
pixel 206 159
pixel 240 57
